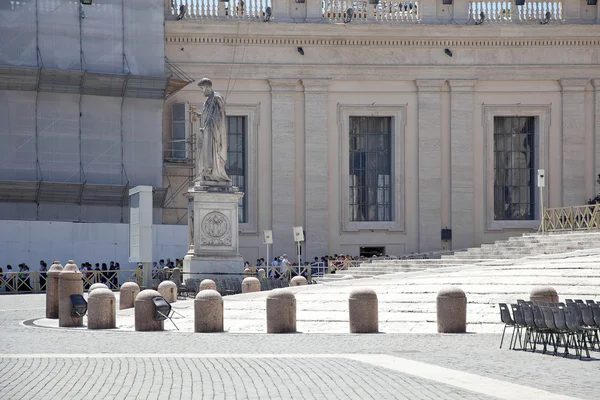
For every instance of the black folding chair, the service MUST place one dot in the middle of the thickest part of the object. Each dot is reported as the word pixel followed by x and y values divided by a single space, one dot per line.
pixel 163 310
pixel 508 321
pixel 78 306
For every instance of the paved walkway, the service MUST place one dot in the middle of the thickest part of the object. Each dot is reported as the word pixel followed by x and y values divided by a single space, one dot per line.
pixel 56 363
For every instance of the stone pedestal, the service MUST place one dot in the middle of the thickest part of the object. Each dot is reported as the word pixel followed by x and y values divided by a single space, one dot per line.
pixel 250 285
pixel 544 293
pixel 144 312
pixel 102 312
pixel 69 282
pixel 52 290
pixel 128 293
pixel 281 312
pixel 168 290
pixel 363 307
pixel 208 311
pixel 451 310
pixel 213 224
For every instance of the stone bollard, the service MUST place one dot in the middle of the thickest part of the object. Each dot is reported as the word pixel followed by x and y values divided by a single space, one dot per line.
pixel 102 312
pixel 168 290
pixel 544 293
pixel 52 290
pixel 69 282
pixel 176 275
pixel 144 312
pixel 364 317
pixel 451 310
pixel 208 284
pixel 127 295
pixel 97 286
pixel 247 272
pixel 250 285
pixel 262 274
pixel 298 281
pixel 208 311
pixel 281 312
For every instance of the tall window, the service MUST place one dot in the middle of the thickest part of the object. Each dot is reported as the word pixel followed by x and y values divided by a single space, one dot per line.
pixel 514 168
pixel 236 159
pixel 370 196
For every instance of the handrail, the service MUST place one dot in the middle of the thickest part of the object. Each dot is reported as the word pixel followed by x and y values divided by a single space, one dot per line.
pixel 573 218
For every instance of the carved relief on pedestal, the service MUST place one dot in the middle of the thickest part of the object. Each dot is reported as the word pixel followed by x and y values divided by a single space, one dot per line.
pixel 216 229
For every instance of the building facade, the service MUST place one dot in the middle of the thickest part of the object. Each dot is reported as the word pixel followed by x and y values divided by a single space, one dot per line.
pixel 400 125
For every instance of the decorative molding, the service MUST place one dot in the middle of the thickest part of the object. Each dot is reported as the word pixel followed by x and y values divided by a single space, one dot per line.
pixel 398 114
pixel 283 85
pixel 430 85
pixel 405 42
pixel 542 112
pixel 574 85
pixel 316 85
pixel 462 85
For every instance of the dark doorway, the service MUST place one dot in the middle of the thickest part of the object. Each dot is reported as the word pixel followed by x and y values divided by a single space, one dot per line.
pixel 372 251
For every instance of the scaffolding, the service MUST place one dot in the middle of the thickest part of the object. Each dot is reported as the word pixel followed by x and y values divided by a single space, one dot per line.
pixel 83 131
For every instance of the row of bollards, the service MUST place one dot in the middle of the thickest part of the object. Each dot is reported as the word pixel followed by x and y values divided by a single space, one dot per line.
pixel 208 305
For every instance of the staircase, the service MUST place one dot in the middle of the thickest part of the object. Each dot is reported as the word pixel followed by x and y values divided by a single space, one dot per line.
pixel 528 245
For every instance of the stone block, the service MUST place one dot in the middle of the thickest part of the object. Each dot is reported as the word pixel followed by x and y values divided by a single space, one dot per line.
pixel 298 281
pixel 168 290
pixel 250 285
pixel 544 293
pixel 97 286
pixel 52 290
pixel 363 307
pixel 207 284
pixel 281 312
pixel 127 295
pixel 102 312
pixel 262 274
pixel 208 311
pixel 145 311
pixel 451 305
pixel 69 282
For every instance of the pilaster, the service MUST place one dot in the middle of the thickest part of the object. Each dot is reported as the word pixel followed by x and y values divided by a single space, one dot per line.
pixel 282 148
pixel 429 123
pixel 316 167
pixel 573 141
pixel 596 83
pixel 461 138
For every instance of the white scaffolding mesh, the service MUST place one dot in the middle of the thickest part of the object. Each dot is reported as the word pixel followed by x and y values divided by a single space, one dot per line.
pixel 58 38
pixel 17 135
pixel 17 33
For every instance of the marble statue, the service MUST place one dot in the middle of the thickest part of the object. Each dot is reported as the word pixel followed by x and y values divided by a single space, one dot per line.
pixel 211 156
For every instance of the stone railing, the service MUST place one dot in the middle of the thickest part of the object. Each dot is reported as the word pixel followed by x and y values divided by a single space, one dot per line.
pixel 571 218
pixel 248 10
pixel 508 12
pixel 362 11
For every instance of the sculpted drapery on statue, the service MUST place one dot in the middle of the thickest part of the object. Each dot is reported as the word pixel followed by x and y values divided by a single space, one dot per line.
pixel 211 154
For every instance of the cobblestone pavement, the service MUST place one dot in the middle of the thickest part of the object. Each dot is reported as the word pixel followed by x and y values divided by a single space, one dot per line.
pixel 47 363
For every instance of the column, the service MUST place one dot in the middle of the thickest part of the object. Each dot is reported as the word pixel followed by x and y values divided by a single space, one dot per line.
pixel 461 139
pixel 316 167
pixel 596 83
pixel 429 104
pixel 282 148
pixel 573 141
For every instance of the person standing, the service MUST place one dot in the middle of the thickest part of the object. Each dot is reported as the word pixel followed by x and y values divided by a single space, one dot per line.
pixel 43 272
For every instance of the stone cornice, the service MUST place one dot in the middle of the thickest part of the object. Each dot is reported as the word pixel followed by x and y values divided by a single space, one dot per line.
pixel 430 85
pixel 283 85
pixel 574 85
pixel 381 42
pixel 462 85
pixel 315 85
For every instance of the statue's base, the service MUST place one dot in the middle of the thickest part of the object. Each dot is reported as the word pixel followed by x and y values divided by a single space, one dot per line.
pixel 214 231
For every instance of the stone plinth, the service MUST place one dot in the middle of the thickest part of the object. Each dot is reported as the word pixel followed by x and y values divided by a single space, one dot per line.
pixel 281 312
pixel 69 282
pixel 168 290
pixel 207 284
pixel 363 307
pixel 213 222
pixel 127 295
pixel 544 293
pixel 52 290
pixel 208 311
pixel 102 312
pixel 250 285
pixel 145 310
pixel 298 281
pixel 97 286
pixel 451 310
pixel 261 274
pixel 176 275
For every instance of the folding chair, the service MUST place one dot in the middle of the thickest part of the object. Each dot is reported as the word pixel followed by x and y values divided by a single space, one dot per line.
pixel 163 310
pixel 519 324
pixel 78 306
pixel 508 321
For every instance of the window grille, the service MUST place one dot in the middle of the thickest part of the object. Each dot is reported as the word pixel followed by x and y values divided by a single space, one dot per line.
pixel 236 159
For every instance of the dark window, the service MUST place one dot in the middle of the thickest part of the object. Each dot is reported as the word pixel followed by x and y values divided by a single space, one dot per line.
pixel 514 168
pixel 236 159
pixel 370 183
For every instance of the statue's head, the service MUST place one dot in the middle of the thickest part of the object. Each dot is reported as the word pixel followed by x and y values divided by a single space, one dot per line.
pixel 205 85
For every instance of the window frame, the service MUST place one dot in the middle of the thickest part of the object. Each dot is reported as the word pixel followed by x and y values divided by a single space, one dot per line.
pixel 541 113
pixel 398 177
pixel 244 136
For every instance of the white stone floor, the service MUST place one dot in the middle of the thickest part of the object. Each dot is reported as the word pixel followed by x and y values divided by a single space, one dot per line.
pixel 407 300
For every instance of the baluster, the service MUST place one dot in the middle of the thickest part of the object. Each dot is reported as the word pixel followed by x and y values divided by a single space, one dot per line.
pixel 251 9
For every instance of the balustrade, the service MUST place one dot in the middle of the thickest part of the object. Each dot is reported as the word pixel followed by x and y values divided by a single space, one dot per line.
pixel 207 9
pixel 508 12
pixel 362 11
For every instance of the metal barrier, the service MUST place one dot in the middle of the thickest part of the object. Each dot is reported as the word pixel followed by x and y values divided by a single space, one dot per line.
pixel 336 265
pixel 571 218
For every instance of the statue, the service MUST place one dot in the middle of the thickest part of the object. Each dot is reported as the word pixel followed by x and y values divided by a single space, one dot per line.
pixel 211 156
